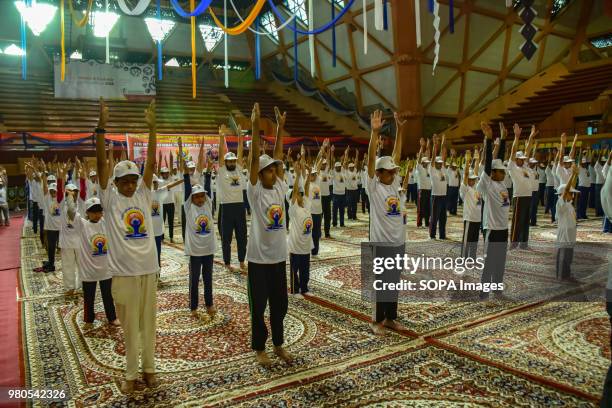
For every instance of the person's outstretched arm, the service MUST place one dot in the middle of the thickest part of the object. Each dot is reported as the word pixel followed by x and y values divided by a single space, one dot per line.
pixel 517 134
pixel 240 150
pixel 278 144
pixel 397 147
pixel 103 173
pixel 488 133
pixel 222 150
pixel 572 153
pixel 254 171
pixel 147 177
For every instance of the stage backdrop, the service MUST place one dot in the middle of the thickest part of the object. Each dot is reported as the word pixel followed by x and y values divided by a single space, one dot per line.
pixel 137 147
pixel 91 79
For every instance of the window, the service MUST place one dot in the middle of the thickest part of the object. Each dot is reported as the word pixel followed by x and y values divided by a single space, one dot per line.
pixel 557 6
pixel 268 24
pixel 298 7
pixel 211 35
pixel 603 41
pixel 339 3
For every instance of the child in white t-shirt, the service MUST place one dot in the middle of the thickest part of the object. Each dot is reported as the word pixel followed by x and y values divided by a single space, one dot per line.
pixel 299 240
pixel 566 226
pixel 93 262
pixel 52 216
pixel 159 196
pixel 472 204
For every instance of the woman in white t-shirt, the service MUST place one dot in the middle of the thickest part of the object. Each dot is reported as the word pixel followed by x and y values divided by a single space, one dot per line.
pixel 472 204
pixel 92 252
pixel 299 240
pixel 566 226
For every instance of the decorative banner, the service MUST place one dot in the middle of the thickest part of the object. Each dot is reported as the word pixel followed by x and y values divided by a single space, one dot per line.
pixel 436 24
pixel 528 31
pixel 226 66
pixel 90 79
pixel 295 51
pixel 451 16
pixel 24 36
pixel 385 17
pixel 194 11
pixel 311 39
pixel 318 30
pixel 379 24
pixel 75 19
pixel 333 12
pixel 138 10
pixel 193 51
pixel 256 31
pixel 107 35
pixel 242 27
pixel 167 144
pixel 365 27
pixel 257 50
pixel 417 21
pixel 62 41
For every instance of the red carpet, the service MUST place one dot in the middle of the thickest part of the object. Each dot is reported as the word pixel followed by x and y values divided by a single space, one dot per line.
pixel 11 369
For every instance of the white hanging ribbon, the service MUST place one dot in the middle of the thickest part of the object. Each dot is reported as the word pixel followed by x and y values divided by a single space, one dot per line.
pixel 285 24
pixel 226 67
pixel 508 3
pixel 107 36
pixel 436 24
pixel 311 38
pixel 417 21
pixel 378 15
pixel 138 10
pixel 365 27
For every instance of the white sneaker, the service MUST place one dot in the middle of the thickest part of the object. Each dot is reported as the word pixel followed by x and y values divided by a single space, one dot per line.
pixel 298 296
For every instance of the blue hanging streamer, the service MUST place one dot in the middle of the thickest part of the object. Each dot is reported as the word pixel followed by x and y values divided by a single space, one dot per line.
pixel 451 16
pixel 257 51
pixel 24 45
pixel 430 5
pixel 333 5
pixel 306 32
pixel 385 22
pixel 159 46
pixel 295 50
pixel 204 4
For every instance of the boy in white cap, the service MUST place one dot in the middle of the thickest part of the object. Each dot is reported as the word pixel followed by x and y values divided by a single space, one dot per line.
pixel 339 188
pixel 534 175
pixel 387 225
pixel 352 188
pixel 315 196
pixel 93 262
pixel 423 184
pixel 584 185
pixel 232 213
pixel 267 247
pixel 92 184
pixel 53 216
pixel 566 226
pixel 564 170
pixel 326 197
pixel 472 204
pixel 160 195
pixel 439 185
pixel 168 208
pixel 299 240
pixel 599 181
pixel 132 253
pixel 191 168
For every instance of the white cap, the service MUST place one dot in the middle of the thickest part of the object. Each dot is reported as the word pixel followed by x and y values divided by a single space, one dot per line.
pixel 505 162
pixel 520 155
pixel 313 171
pixel 244 171
pixel 71 187
pixel 439 159
pixel 164 170
pixel 230 156
pixel 51 177
pixel 453 164
pixel 562 187
pixel 265 161
pixel 351 165
pixel 290 168
pixel 52 186
pixel 93 173
pixel 604 159
pixel 567 159
pixel 585 160
pixel 424 160
pixel 472 175
pixel 533 161
pixel 91 202
pixel 197 189
pixel 385 163
pixel 497 165
pixel 191 165
pixel 337 164
pixel 324 161
pixel 125 168
pixel 155 178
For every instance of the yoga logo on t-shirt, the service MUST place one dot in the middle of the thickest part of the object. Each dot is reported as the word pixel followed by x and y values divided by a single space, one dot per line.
pixel 505 198
pixel 234 180
pixel 98 245
pixel 202 225
pixel 307 226
pixel 55 210
pixel 316 193
pixel 275 217
pixel 155 209
pixel 134 221
pixel 393 206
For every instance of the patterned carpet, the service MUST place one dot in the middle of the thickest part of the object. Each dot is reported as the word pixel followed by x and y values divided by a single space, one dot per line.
pixel 459 354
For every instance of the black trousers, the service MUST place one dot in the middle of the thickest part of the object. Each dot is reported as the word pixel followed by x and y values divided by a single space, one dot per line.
pixel 52 240
pixel 338 207
pixel 365 201
pixel 412 193
pixel 168 212
pixel 316 232
pixel 247 206
pixel 183 221
pixel 299 266
pixel 565 256
pixel 158 244
pixel 352 197
pixel 551 202
pixel 326 203
pixel 533 210
pixel 541 192
pixel 452 197
pixel 200 265
pixel 267 284
pixel 520 221
pixel 35 215
pixel 599 212
pixel 232 219
pixel 438 215
pixel 583 203
pixel 496 248
pixel 89 297
pixel 423 207
pixel 469 245
pixel 386 301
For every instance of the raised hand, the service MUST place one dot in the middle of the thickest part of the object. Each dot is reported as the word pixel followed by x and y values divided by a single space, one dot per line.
pixel 150 116
pixel 563 139
pixel 103 118
pixel 377 121
pixel 422 142
pixel 534 131
pixel 398 122
pixel 517 131
pixel 486 129
pixel 280 119
pixel 223 130
pixel 255 114
pixel 502 130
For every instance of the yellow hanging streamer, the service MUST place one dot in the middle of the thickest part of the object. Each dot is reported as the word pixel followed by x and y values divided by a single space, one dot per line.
pixel 242 27
pixel 193 52
pixel 62 30
pixel 83 21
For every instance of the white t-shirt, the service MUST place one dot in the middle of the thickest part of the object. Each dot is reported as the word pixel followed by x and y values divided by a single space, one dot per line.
pixel 68 237
pixel 2 195
pixel 422 177
pixel 534 176
pixel 267 241
pixel 92 189
pixel 36 188
pixel 496 203
pixel 157 216
pixel 229 185
pixel 324 181
pixel 542 175
pixel 92 250
pixel 563 174
pixel 471 203
pixel 352 180
pixel 507 178
pixel 314 192
pixel 339 181
pixel 453 177
pixel 200 231
pixel 168 196
pixel 53 213
pixel 550 178
pixel 584 177
pixel 555 176
pixel 521 180
pixel 598 170
pixel 438 181
pixel 299 240
pixel 386 217
pixel 566 223
pixel 129 229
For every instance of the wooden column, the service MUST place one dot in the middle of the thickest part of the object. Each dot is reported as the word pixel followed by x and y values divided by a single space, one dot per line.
pixel 407 72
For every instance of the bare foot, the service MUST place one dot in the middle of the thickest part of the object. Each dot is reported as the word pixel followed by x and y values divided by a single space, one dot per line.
pixel 115 323
pixel 211 310
pixel 195 314
pixel 377 328
pixel 283 354
pixel 243 267
pixel 88 326
pixel 263 359
pixel 392 324
pixel 230 268
pixel 151 380
pixel 127 386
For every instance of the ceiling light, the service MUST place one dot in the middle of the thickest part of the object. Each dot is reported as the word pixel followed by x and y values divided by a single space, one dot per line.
pixel 76 56
pixel 172 63
pixel 103 22
pixel 211 35
pixel 37 16
pixel 13 50
pixel 159 29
